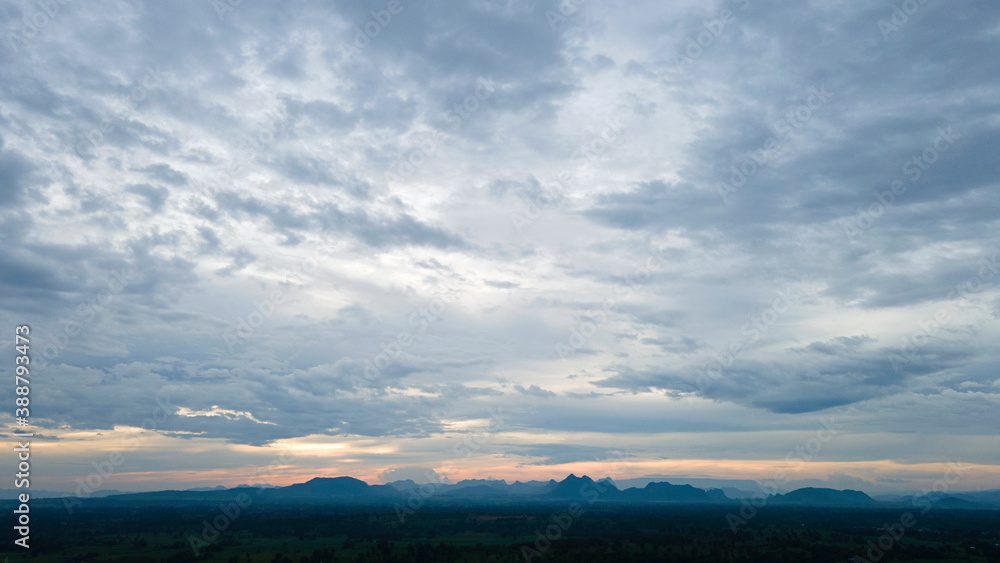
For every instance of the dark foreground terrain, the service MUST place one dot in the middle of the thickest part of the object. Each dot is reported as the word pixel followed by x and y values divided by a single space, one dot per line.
pixel 312 532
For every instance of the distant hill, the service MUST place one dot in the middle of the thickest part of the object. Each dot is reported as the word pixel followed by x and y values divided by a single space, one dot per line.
pixel 958 501
pixel 350 490
pixel 403 484
pixel 493 483
pixel 530 487
pixel 326 487
pixel 477 492
pixel 982 497
pixel 665 492
pixel 990 499
pixel 812 496
pixel 734 488
pixel 576 488
pixel 11 494
pixel 959 504
pixel 583 488
pixel 717 494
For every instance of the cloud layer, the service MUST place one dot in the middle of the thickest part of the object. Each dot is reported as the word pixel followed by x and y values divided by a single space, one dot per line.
pixel 363 227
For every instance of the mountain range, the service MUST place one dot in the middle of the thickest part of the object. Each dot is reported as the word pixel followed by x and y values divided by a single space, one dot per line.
pixel 490 491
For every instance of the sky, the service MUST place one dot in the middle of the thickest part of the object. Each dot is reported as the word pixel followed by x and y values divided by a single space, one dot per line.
pixel 740 239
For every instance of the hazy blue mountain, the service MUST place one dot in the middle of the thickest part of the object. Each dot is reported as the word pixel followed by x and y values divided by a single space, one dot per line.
pixel 952 501
pixel 665 492
pixel 492 483
pixel 982 497
pixel 584 488
pixel 516 488
pixel 321 487
pixel 476 492
pixel 530 487
pixel 734 488
pixel 717 494
pixel 403 484
pixel 812 496
pixel 10 494
pixel 960 503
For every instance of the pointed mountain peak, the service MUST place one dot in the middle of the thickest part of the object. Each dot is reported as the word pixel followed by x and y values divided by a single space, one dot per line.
pixel 572 478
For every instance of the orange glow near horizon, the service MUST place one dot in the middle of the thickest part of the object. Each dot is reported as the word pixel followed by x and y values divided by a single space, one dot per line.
pixel 294 461
pixel 921 475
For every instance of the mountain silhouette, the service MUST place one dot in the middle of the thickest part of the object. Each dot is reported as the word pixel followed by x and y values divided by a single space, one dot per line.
pixel 477 491
pixel 812 496
pixel 665 492
pixel 320 487
pixel 349 490
pixel 584 488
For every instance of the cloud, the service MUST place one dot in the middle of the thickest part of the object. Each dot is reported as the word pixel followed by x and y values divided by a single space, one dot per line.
pixel 534 391
pixel 228 160
pixel 164 173
pixel 155 196
pixel 378 232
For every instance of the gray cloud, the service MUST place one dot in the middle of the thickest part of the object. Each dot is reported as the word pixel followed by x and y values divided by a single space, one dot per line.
pixel 247 167
pixel 154 196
